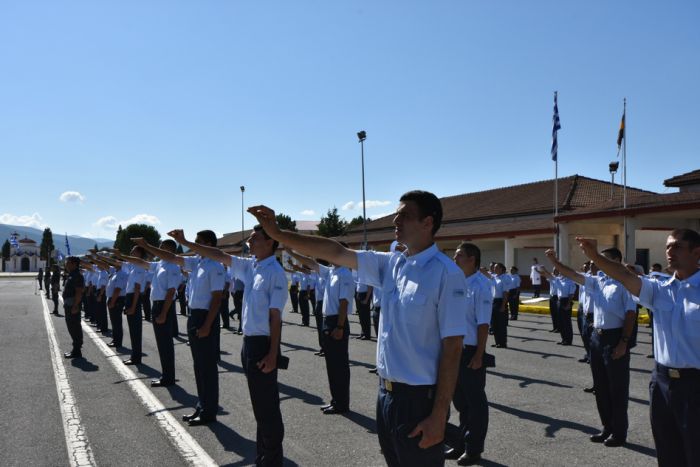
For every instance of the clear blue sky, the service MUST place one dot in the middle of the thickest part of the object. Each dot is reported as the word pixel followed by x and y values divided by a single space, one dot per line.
pixel 160 110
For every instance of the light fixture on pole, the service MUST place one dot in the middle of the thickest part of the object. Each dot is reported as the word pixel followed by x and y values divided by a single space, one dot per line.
pixel 242 220
pixel 613 166
pixel 362 136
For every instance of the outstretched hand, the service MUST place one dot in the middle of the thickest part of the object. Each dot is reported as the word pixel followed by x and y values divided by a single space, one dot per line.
pixel 178 235
pixel 589 246
pixel 551 255
pixel 266 218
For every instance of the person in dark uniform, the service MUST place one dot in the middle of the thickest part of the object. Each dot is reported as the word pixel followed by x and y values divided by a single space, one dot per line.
pixel 553 296
pixel 514 294
pixel 55 286
pixel 47 282
pixel 182 294
pixel 421 329
pixel 363 302
pixel 673 393
pixel 614 316
pixel 294 292
pixel 72 298
pixel 40 278
pixel 265 297
pixel 224 307
pixel 499 313
pixel 146 296
pixel 466 442
pixel 204 297
pixel 304 299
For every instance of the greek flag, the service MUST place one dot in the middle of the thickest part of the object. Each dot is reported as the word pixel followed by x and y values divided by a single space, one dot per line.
pixel 556 126
pixel 67 245
pixel 13 240
pixel 59 255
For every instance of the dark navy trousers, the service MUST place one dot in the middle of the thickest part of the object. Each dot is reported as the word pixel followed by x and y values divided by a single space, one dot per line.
pixel 205 355
pixel 337 362
pixel 135 322
pixel 564 320
pixel 675 416
pixel 364 313
pixel 611 379
pixel 265 397
pixel 318 315
pixel 554 311
pixel 499 322
pixel 115 316
pixel 470 401
pixel 304 307
pixel 164 339
pixel 74 328
pixel 294 297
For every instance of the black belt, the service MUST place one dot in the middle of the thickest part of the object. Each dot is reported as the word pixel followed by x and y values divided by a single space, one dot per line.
pixel 393 387
pixel 677 373
pixel 603 332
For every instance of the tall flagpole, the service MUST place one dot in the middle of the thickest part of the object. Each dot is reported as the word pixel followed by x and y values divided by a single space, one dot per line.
pixel 624 176
pixel 556 126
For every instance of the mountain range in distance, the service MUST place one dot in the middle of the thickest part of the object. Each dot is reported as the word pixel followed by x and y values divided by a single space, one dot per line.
pixel 78 245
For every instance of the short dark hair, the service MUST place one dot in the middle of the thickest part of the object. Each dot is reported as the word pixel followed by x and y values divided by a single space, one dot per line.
pixel 687 235
pixel 656 267
pixel 275 243
pixel 142 251
pixel 472 251
pixel 169 244
pixel 73 259
pixel 207 236
pixel 613 252
pixel 500 266
pixel 428 205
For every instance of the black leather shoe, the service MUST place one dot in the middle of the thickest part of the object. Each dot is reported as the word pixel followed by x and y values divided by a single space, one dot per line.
pixel 583 360
pixel 197 421
pixel 614 442
pixel 73 355
pixel 324 407
pixel 113 344
pixel 453 453
pixel 372 370
pixel 467 459
pixel 600 437
pixel 192 416
pixel 132 362
pixel 332 410
pixel 159 383
pixel 590 390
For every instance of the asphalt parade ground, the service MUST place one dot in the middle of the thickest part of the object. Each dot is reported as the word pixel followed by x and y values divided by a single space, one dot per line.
pixel 97 411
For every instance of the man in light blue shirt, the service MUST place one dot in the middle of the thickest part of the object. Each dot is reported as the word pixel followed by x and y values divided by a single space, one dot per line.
pixel 565 294
pixel 421 329
pixel 294 291
pixel 514 293
pixel 673 393
pixel 204 298
pixel 266 294
pixel 304 290
pixel 614 315
pixel 467 442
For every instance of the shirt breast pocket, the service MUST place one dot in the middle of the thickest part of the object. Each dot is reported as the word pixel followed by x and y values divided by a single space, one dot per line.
pixel 414 307
pixel 692 317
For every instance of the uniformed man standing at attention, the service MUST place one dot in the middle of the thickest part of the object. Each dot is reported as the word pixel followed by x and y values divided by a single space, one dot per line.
pixel 535 277
pixel 514 294
pixel 294 291
pixel 467 442
pixel 72 298
pixel 47 282
pixel 614 315
pixel 204 297
pixel 40 278
pixel 132 306
pixel 499 314
pixel 304 288
pixel 263 304
pixel 55 286
pixel 674 393
pixel 421 329
pixel 565 291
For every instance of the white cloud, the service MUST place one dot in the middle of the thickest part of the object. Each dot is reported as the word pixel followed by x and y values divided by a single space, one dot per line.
pixel 383 214
pixel 35 220
pixel 106 222
pixel 142 219
pixel 308 212
pixel 71 197
pixel 370 204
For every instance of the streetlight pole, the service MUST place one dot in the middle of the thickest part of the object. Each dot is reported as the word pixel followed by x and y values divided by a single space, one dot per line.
pixel 362 136
pixel 242 219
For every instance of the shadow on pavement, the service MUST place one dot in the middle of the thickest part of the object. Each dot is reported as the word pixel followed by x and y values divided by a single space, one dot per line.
pixel 364 421
pixel 525 381
pixel 542 354
pixel 552 424
pixel 83 364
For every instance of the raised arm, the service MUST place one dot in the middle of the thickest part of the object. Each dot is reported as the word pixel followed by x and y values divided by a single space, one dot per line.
pixel 565 270
pixel 304 260
pixel 130 259
pixel 616 270
pixel 206 251
pixel 165 255
pixel 310 245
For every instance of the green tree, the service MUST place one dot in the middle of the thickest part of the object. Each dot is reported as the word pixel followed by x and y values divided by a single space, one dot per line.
pixel 6 247
pixel 285 222
pixel 46 246
pixel 356 222
pixel 332 225
pixel 123 242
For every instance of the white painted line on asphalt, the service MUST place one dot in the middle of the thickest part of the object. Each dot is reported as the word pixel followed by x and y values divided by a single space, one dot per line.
pixel 79 451
pixel 182 441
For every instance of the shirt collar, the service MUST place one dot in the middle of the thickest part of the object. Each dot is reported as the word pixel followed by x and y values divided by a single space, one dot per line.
pixel 423 257
pixel 265 262
pixel 693 280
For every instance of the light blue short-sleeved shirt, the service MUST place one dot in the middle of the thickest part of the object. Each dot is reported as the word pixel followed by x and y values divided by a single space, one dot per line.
pixel 137 275
pixel 423 302
pixel 324 274
pixel 515 281
pixel 499 286
pixel 565 287
pixel 479 305
pixel 340 287
pixel 610 301
pixel 303 281
pixel 313 278
pixel 207 276
pixel 165 276
pixel 102 279
pixel 295 278
pixel 149 277
pixel 265 288
pixel 676 305
pixel 554 286
pixel 117 280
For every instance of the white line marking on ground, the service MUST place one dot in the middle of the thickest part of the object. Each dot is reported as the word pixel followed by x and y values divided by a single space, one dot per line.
pixel 79 451
pixel 186 445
